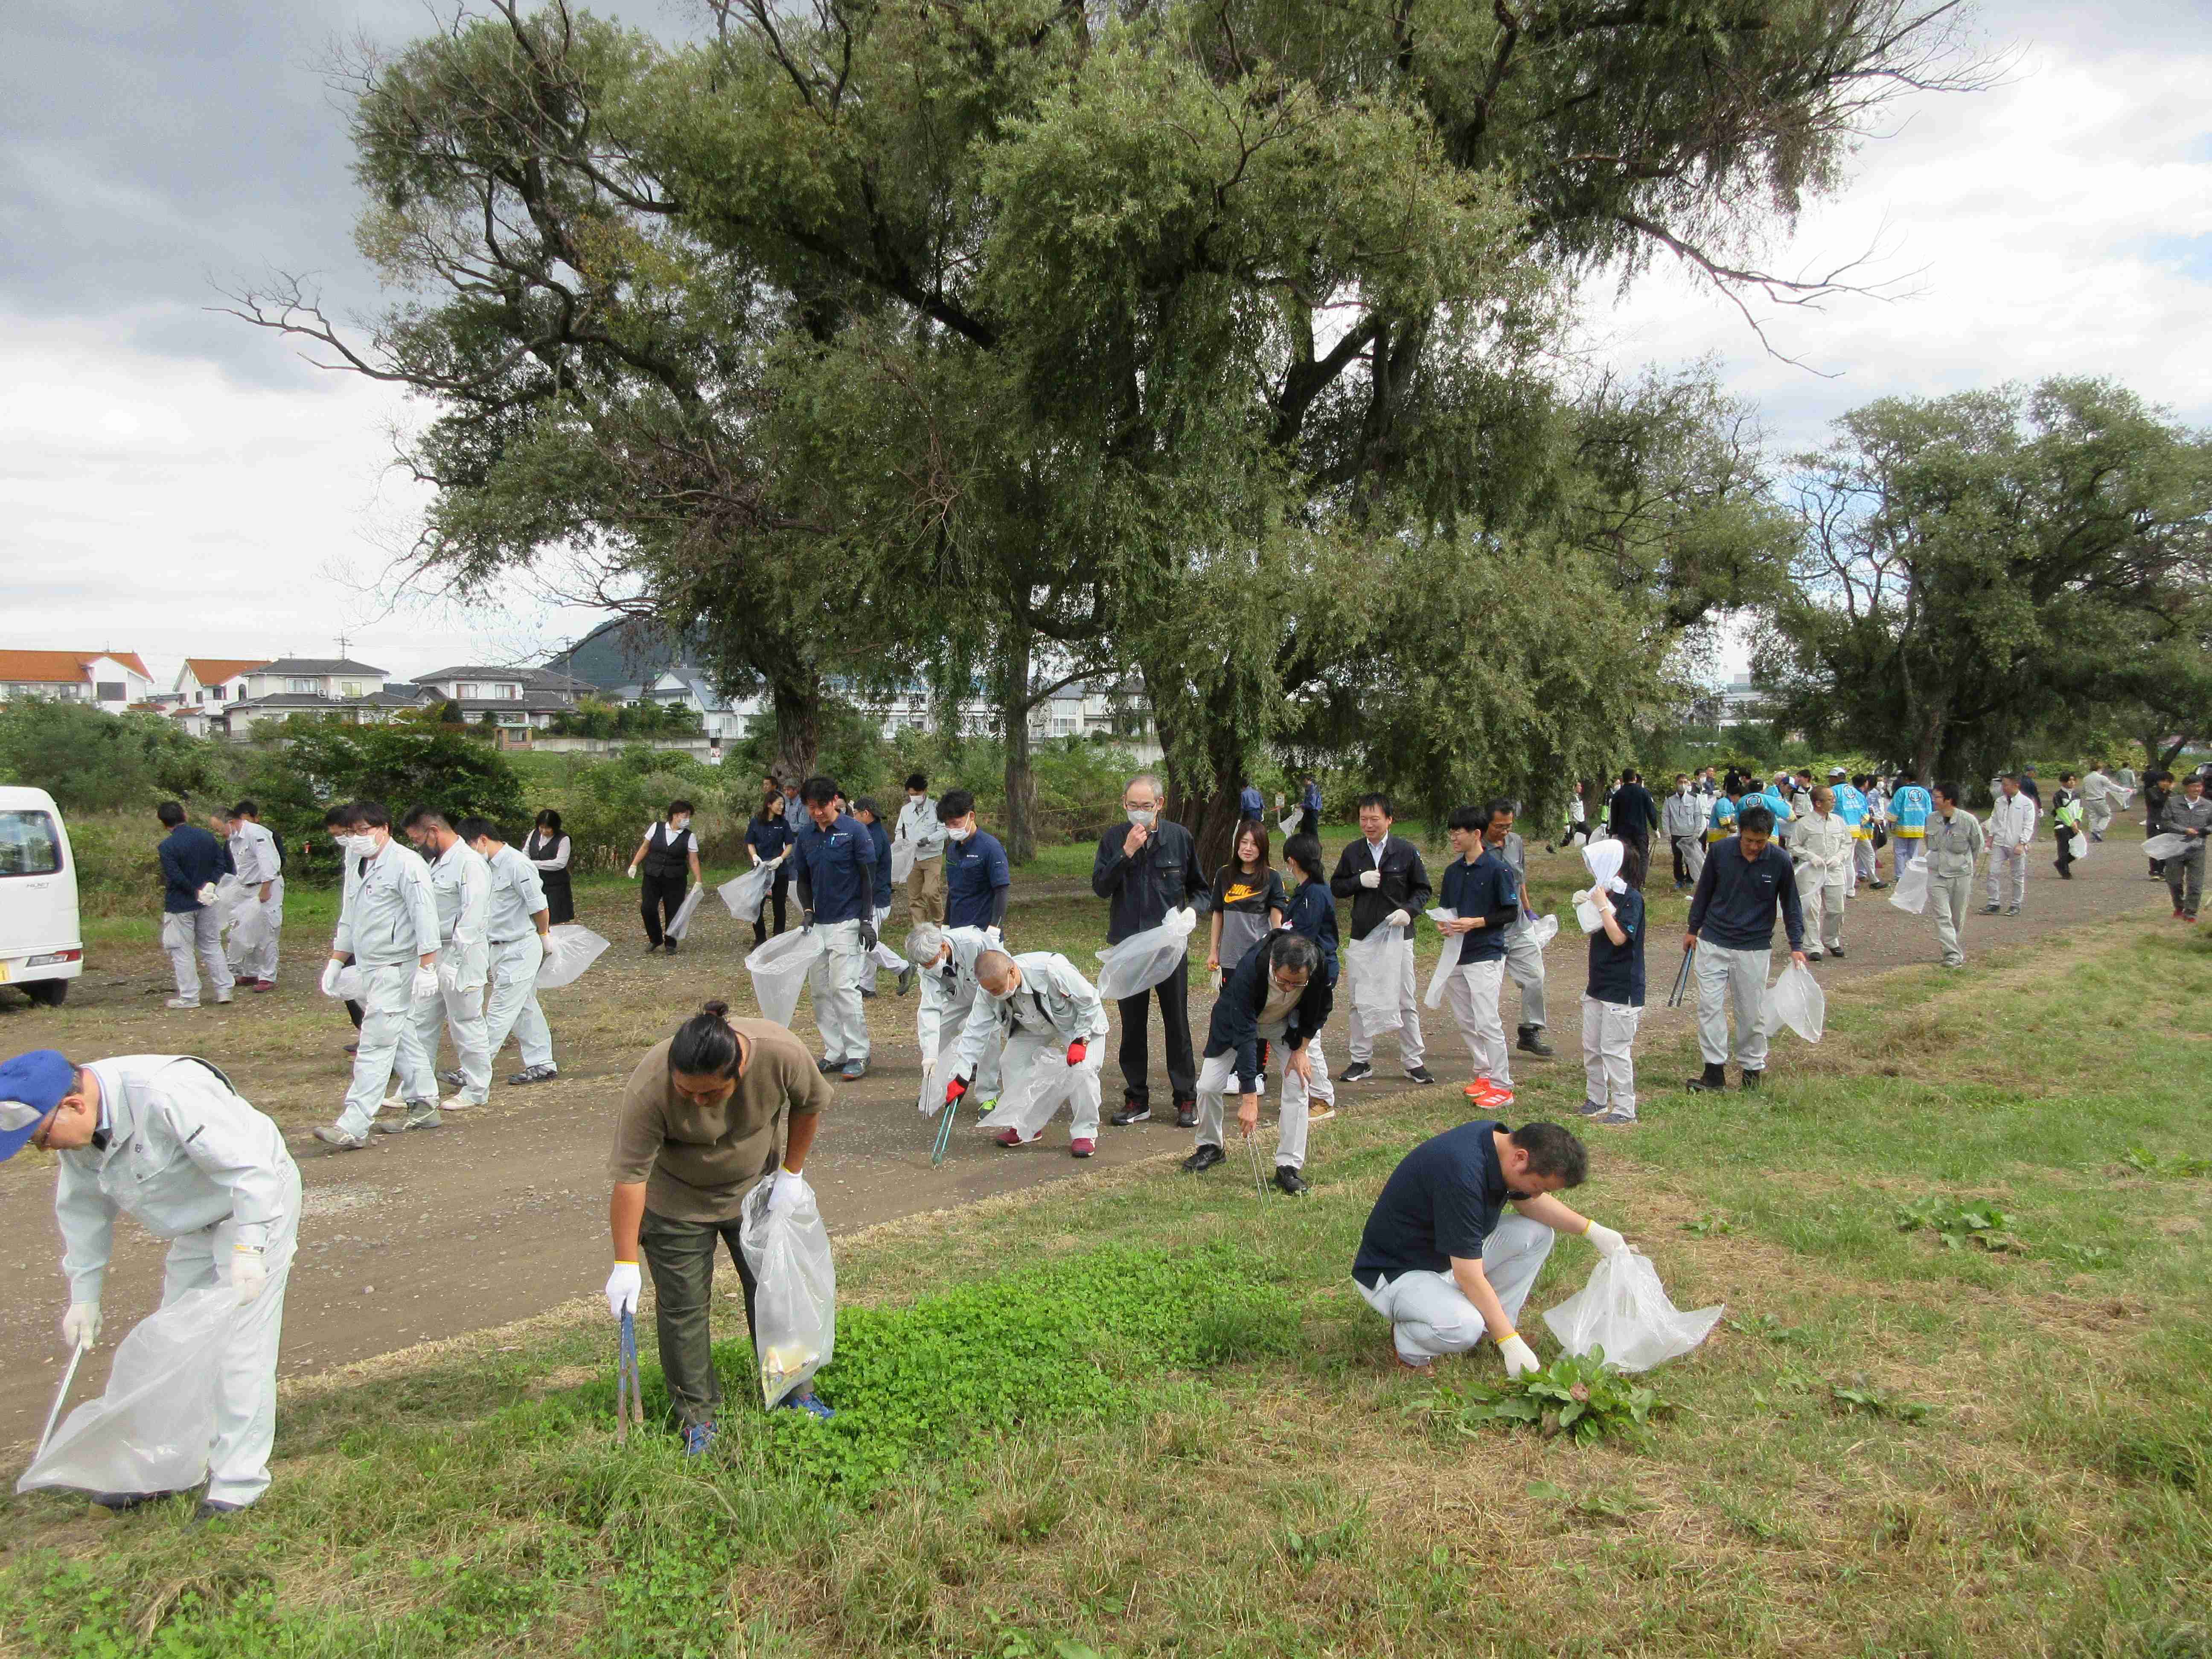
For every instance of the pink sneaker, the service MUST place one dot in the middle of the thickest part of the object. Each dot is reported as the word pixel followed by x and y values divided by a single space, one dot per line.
pixel 1010 1137
pixel 1082 1146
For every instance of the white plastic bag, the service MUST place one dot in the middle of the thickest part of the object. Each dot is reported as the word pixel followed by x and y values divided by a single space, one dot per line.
pixel 1143 960
pixel 1911 892
pixel 1586 914
pixel 1809 876
pixel 1447 958
pixel 1796 1000
pixel 1544 930
pixel 154 1428
pixel 2163 846
pixel 1033 1086
pixel 929 1099
pixel 901 862
pixel 574 947
pixel 1289 825
pixel 2079 848
pixel 1624 1310
pixel 1376 967
pixel 795 1309
pixel 779 969
pixel 746 894
pixel 680 923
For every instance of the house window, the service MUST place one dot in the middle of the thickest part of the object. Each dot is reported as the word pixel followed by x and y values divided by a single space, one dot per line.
pixel 350 689
pixel 113 691
pixel 299 685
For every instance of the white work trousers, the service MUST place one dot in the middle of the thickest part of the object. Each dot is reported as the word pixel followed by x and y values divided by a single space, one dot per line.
pixel 2008 870
pixel 1472 993
pixel 865 964
pixel 260 962
pixel 1824 908
pixel 1727 977
pixel 1948 896
pixel 1524 966
pixel 1217 1076
pixel 1610 1053
pixel 834 981
pixel 1038 1078
pixel 246 1390
pixel 1863 865
pixel 389 1042
pixel 2100 814
pixel 1409 1010
pixel 511 1003
pixel 189 933
pixel 460 1010
pixel 1429 1315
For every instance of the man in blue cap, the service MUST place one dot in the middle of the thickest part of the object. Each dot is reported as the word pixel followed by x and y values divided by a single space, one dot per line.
pixel 165 1140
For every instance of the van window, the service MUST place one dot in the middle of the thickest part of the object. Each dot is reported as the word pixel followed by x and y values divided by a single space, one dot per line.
pixel 28 844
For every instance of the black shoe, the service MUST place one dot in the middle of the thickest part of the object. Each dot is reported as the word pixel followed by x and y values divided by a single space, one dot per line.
pixel 1837 952
pixel 1358 1072
pixel 1290 1182
pixel 1186 1114
pixel 650 949
pixel 1751 1080
pixel 1990 909
pixel 1133 1111
pixel 1714 1081
pixel 214 1509
pixel 669 945
pixel 120 1503
pixel 1420 1075
pixel 1532 1042
pixel 867 993
pixel 1876 886
pixel 1205 1159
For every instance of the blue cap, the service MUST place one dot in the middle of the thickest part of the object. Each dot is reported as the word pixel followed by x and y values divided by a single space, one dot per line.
pixel 31 1086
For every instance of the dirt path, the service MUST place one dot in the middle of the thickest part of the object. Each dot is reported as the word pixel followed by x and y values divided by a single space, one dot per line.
pixel 502 1215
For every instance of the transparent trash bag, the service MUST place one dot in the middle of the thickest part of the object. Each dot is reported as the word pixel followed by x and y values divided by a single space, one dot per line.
pixel 1912 893
pixel 795 1308
pixel 929 1099
pixel 1544 930
pixel 1375 966
pixel 2077 845
pixel 154 1428
pixel 778 967
pixel 1624 1310
pixel 572 948
pixel 1288 824
pixel 2161 848
pixel 1796 1000
pixel 1447 959
pixel 680 923
pixel 1809 875
pixel 901 862
pixel 1143 960
pixel 1035 1084
pixel 746 894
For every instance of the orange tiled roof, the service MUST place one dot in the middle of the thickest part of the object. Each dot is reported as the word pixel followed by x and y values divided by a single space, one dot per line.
pixel 214 671
pixel 60 667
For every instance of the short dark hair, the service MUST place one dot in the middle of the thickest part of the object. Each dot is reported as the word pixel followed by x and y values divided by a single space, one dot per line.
pixel 1293 953
pixel 1758 820
pixel 246 809
pixel 1493 807
pixel 2065 777
pixel 339 814
pixel 549 819
pixel 1305 851
pixel 425 818
pixel 2008 777
pixel 1553 1151
pixel 1629 775
pixel 916 781
pixel 1470 818
pixel 818 791
pixel 473 830
pixel 369 815
pixel 675 806
pixel 867 803
pixel 1948 791
pixel 955 804
pixel 170 813
pixel 1376 798
pixel 705 1045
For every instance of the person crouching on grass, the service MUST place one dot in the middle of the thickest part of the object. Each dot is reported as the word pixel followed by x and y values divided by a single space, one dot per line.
pixel 1441 1260
pixel 1612 998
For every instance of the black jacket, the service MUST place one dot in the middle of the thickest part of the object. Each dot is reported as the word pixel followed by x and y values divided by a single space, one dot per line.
pixel 1140 891
pixel 1404 885
pixel 1632 812
pixel 1313 912
pixel 1235 1026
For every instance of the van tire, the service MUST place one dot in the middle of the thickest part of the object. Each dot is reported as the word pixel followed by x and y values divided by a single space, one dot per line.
pixel 47 992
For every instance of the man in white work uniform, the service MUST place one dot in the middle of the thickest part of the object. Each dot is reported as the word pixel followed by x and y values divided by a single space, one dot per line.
pixel 388 930
pixel 517 926
pixel 165 1140
pixel 1051 1023
pixel 945 958
pixel 260 870
pixel 461 881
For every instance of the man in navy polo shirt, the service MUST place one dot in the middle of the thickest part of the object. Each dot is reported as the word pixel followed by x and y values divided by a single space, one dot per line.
pixel 1732 931
pixel 1441 1262
pixel 836 861
pixel 977 877
pixel 1485 900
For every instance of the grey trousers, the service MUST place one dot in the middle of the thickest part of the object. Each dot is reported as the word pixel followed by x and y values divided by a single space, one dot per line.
pixel 189 933
pixel 1524 966
pixel 680 1256
pixel 1948 897
pixel 1429 1315
pixel 1693 855
pixel 2184 879
pixel 2009 869
pixel 1824 911
pixel 1728 979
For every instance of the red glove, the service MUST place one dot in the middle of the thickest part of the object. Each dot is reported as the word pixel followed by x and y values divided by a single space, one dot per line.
pixel 954 1089
pixel 1076 1050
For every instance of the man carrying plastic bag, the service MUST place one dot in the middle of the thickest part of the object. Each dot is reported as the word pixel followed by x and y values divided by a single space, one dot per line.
pixel 165 1140
pixel 701 1120
pixel 1052 1023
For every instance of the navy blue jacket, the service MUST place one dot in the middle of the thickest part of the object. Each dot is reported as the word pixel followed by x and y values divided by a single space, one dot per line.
pixel 976 880
pixel 1734 905
pixel 1139 891
pixel 1313 914
pixel 1235 1026
pixel 191 858
pixel 1485 888
pixel 882 838
pixel 836 871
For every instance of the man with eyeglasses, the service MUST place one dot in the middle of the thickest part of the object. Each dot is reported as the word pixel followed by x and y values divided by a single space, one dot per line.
pixel 1144 868
pixel 1277 994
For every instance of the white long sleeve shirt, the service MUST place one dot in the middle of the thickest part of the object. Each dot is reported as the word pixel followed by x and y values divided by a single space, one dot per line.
pixel 254 853
pixel 515 896
pixel 461 881
pixel 917 822
pixel 2011 822
pixel 183 1151
pixel 389 915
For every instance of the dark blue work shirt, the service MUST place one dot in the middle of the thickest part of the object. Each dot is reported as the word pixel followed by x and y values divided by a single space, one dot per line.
pixel 881 839
pixel 1250 802
pixel 1485 888
pixel 974 870
pixel 1616 971
pixel 1734 905
pixel 1312 913
pixel 191 858
pixel 767 836
pixel 836 871
pixel 1442 1202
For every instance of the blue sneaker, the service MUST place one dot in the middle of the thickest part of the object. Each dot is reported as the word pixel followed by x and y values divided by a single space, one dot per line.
pixel 697 1439
pixel 809 1403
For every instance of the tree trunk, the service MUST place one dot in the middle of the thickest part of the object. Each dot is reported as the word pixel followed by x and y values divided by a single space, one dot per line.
pixel 798 706
pixel 1928 748
pixel 1215 829
pixel 1019 832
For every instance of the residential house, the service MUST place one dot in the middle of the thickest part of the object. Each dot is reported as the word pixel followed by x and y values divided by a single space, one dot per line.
pixel 109 680
pixel 214 682
pixel 517 700
pixel 631 660
pixel 331 687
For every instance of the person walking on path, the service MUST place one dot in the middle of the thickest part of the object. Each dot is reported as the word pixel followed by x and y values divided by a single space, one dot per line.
pixel 1632 815
pixel 2010 830
pixel 922 827
pixel 549 852
pixel 767 837
pixel 1144 868
pixel 1683 818
pixel 192 862
pixel 258 864
pixel 2158 791
pixel 669 854
pixel 1524 957
pixel 461 883
pixel 882 956
pixel 1909 808
pixel 1485 900
pixel 517 923
pixel 1731 932
pixel 836 863
pixel 2188 815
pixel 1310 806
pixel 388 932
pixel 1276 995
pixel 707 1116
pixel 1822 855
pixel 2098 794
pixel 1954 841
pixel 1383 877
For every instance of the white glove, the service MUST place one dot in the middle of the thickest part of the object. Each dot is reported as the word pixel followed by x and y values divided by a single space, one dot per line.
pixel 449 973
pixel 1371 879
pixel 1608 1242
pixel 80 1324
pixel 622 1289
pixel 248 1273
pixel 784 1196
pixel 1519 1358
pixel 206 894
pixel 1396 919
pixel 331 969
pixel 425 981
pixel 631 873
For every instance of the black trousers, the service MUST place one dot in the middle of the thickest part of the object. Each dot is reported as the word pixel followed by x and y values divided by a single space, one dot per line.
pixel 1174 993
pixel 778 893
pixel 680 1256
pixel 659 899
pixel 1309 822
pixel 1681 861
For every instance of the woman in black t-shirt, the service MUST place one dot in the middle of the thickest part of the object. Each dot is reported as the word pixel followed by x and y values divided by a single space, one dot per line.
pixel 1248 901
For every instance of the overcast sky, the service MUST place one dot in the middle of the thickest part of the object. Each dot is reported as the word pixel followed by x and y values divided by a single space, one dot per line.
pixel 175 482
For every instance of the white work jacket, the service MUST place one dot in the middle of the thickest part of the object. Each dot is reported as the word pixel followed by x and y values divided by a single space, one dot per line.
pixel 2012 820
pixel 1823 840
pixel 389 915
pixel 253 854
pixel 950 989
pixel 515 895
pixel 1052 1000
pixel 917 822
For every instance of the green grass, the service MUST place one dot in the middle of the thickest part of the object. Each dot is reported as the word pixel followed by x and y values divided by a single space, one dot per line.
pixel 1145 1413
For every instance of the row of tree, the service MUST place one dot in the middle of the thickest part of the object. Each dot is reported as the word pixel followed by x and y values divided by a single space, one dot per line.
pixel 1212 341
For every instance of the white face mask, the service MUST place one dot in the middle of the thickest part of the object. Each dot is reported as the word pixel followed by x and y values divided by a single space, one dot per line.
pixel 361 847
pixel 960 834
pixel 1142 816
pixel 915 800
pixel 679 824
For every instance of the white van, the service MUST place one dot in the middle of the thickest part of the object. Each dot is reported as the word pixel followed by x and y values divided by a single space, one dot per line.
pixel 41 949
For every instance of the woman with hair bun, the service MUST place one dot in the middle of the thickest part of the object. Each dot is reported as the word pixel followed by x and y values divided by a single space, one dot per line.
pixel 707 1115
